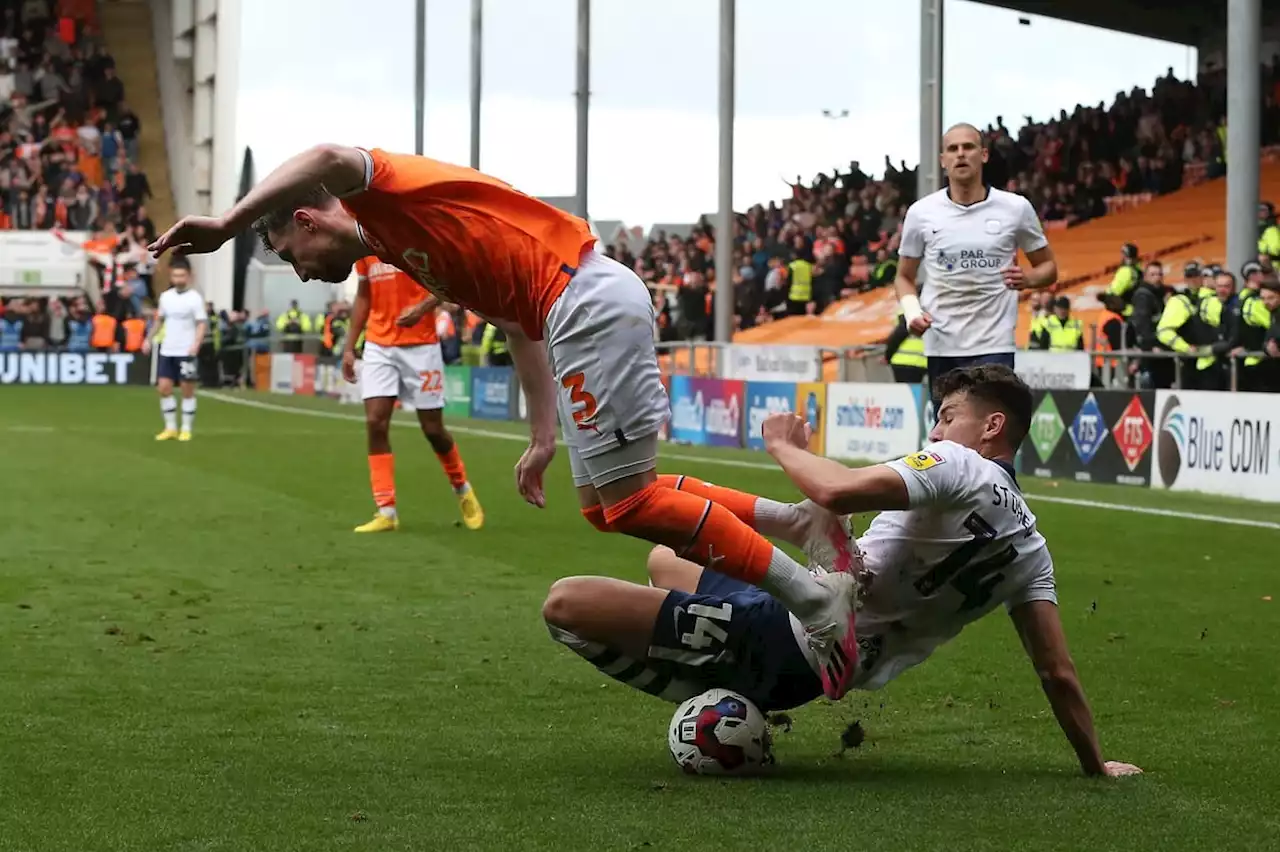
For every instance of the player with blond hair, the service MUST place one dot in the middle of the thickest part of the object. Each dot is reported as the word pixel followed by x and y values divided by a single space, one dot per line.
pixel 959 276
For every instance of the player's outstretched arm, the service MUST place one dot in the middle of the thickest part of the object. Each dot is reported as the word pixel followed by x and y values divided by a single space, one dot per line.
pixel 529 357
pixel 341 169
pixel 826 482
pixel 1040 629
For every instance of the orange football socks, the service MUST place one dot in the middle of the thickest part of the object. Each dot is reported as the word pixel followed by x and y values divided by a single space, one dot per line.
pixel 454 468
pixel 709 534
pixel 763 515
pixel 382 476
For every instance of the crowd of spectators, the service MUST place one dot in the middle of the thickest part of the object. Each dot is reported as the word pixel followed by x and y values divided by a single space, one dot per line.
pixel 839 233
pixel 69 160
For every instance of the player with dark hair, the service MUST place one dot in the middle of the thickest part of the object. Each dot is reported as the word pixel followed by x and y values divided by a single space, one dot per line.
pixel 579 330
pixel 181 324
pixel 953 541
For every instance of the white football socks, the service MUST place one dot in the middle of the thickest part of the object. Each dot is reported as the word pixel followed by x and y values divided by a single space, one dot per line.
pixel 789 582
pixel 188 414
pixel 778 520
pixel 169 409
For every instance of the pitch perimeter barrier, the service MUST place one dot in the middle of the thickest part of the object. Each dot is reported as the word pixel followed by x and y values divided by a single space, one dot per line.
pixel 1215 442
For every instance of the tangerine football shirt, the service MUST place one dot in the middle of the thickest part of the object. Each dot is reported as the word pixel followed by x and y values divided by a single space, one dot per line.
pixel 390 292
pixel 467 237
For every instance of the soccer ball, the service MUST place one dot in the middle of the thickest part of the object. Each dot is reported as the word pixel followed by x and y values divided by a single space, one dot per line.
pixel 719 733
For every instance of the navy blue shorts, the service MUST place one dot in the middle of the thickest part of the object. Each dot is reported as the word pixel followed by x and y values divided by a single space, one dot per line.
pixel 176 369
pixel 734 636
pixel 940 365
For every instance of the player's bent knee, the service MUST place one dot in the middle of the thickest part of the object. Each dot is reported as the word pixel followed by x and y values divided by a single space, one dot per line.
pixel 563 602
pixel 659 562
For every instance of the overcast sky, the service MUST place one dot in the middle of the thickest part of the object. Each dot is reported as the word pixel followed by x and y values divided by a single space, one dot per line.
pixel 342 71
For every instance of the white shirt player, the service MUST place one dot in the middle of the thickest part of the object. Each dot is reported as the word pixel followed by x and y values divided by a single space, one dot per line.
pixel 182 311
pixel 967 544
pixel 962 250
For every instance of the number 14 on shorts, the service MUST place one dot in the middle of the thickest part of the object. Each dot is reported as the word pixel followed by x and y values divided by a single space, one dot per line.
pixel 706 631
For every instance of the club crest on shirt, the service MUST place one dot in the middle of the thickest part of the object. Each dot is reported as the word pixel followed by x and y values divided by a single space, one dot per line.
pixel 993 226
pixel 420 264
pixel 923 460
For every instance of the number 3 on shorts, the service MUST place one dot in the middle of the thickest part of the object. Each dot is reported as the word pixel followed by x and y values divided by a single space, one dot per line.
pixel 583 416
pixel 432 381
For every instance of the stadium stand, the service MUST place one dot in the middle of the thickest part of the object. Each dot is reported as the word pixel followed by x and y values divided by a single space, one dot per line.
pixel 76 156
pixel 1143 170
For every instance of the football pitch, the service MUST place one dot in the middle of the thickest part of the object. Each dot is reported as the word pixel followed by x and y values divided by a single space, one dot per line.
pixel 198 654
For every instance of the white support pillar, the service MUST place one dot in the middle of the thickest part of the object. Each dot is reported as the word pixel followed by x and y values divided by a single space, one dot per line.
pixel 929 177
pixel 225 154
pixel 204 72
pixel 215 79
pixel 1244 115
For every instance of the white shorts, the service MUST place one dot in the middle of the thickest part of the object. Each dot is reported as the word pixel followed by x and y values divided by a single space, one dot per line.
pixel 412 374
pixel 599 337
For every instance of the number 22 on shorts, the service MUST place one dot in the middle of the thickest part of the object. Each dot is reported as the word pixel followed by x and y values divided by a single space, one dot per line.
pixel 432 381
pixel 583 416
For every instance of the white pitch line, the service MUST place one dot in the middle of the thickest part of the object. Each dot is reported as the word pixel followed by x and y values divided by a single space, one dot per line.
pixel 750 465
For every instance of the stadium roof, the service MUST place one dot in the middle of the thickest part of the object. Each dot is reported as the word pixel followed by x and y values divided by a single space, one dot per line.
pixel 1191 22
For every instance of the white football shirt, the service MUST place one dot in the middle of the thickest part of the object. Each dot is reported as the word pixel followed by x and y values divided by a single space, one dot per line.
pixel 961 251
pixel 967 544
pixel 182 312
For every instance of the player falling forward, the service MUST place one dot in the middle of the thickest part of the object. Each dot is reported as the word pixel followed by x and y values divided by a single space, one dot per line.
pixel 181 322
pixel 580 332
pixel 953 541
pixel 402 360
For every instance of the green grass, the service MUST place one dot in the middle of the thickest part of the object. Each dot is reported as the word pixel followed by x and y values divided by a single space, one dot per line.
pixel 197 654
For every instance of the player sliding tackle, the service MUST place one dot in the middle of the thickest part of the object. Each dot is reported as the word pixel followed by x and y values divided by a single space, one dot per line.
pixel 580 331
pixel 954 540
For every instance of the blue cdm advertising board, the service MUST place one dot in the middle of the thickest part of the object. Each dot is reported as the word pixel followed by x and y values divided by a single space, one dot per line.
pixel 763 399
pixel 493 393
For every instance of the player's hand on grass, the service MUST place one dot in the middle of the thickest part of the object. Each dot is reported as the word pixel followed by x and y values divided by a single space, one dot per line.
pixel 920 324
pixel 785 429
pixel 1116 769
pixel 349 366
pixel 1015 277
pixel 193 235
pixel 529 470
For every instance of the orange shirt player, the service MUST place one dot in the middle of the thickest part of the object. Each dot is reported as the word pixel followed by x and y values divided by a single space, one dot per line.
pixel 580 333
pixel 402 361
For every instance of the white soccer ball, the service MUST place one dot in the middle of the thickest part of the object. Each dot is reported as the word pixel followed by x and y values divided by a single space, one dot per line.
pixel 719 733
